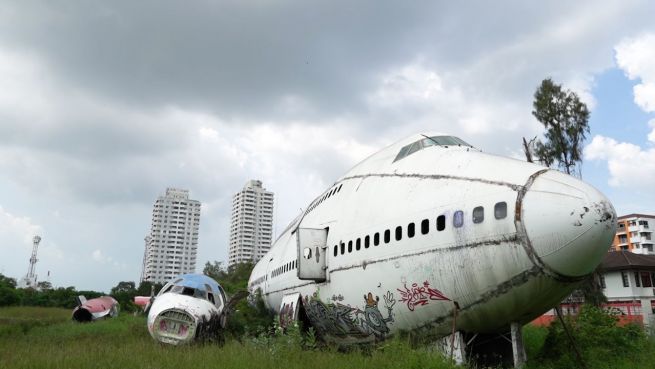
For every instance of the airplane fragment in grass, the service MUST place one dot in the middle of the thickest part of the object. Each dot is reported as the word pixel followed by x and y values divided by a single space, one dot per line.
pixel 189 307
pixel 94 309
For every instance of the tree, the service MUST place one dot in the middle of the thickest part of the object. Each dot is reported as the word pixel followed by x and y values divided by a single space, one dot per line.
pixel 44 285
pixel 146 287
pixel 233 279
pixel 215 270
pixel 565 118
pixel 124 293
pixel 7 282
pixel 8 296
pixel 123 287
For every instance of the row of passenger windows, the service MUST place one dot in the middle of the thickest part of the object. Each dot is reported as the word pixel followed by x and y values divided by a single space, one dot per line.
pixel 284 268
pixel 325 197
pixel 500 212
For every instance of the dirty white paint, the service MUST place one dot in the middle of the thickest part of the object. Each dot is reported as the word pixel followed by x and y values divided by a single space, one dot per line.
pixel 492 272
pixel 176 318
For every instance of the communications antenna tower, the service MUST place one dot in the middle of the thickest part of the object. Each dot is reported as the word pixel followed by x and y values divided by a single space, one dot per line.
pixel 30 279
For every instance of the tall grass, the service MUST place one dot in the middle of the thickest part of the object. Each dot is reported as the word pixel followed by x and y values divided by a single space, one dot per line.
pixel 124 342
pixel 20 320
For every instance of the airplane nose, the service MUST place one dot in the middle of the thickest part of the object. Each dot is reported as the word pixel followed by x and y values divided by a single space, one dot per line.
pixel 569 224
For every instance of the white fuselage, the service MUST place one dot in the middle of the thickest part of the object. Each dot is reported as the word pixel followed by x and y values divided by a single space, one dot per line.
pixel 505 241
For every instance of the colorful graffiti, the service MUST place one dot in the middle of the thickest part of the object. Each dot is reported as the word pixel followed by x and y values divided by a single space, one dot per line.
pixel 287 315
pixel 341 320
pixel 420 295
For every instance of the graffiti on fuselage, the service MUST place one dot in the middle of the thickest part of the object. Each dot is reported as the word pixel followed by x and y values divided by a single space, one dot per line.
pixel 341 320
pixel 287 315
pixel 420 295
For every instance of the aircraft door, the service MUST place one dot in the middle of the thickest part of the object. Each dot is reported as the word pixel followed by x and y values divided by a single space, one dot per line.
pixel 312 247
pixel 289 308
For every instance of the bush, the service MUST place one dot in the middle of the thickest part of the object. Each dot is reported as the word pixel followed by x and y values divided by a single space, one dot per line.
pixel 599 339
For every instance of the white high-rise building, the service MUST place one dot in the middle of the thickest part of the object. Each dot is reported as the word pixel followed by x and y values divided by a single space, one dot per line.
pixel 172 244
pixel 251 227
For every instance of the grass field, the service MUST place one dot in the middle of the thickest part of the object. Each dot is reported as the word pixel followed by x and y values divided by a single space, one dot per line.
pixel 46 338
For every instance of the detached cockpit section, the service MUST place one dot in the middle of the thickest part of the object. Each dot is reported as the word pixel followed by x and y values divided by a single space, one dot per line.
pixel 444 141
pixel 192 306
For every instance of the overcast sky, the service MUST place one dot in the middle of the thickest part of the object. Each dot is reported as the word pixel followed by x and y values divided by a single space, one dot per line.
pixel 105 104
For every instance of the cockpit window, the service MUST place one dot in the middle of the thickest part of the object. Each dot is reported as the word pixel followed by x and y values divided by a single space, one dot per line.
pixel 449 141
pixel 427 142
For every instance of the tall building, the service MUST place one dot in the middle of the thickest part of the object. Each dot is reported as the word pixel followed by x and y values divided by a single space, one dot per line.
pixel 251 227
pixel 634 233
pixel 172 244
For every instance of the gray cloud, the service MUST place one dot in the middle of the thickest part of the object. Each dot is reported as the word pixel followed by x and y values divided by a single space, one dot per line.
pixel 105 104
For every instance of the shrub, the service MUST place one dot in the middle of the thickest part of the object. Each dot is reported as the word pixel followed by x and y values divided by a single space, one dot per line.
pixel 598 337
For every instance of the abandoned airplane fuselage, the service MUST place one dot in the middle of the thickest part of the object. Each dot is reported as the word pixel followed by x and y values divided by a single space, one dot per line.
pixel 189 307
pixel 94 309
pixel 434 236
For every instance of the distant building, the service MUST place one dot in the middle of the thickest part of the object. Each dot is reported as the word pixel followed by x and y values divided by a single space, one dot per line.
pixel 172 244
pixel 634 233
pixel 251 226
pixel 628 282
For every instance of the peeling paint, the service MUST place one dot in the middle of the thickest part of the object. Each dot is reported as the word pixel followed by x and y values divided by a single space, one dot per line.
pixel 492 242
pixel 513 186
pixel 522 234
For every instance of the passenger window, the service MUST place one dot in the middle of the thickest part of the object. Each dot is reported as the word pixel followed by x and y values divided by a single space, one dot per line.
pixel 458 219
pixel 425 226
pixel 376 239
pixel 399 233
pixel 367 242
pixel 478 214
pixel 500 210
pixel 339 189
pixel 410 230
pixel 358 244
pixel 387 236
pixel 441 223
pixel 343 248
pixel 335 250
pixel 350 246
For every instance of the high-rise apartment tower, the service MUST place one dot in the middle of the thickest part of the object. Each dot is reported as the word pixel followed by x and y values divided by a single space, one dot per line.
pixel 251 227
pixel 172 244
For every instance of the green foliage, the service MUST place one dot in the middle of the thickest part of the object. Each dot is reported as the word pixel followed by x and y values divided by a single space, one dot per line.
pixel 7 282
pixel 565 118
pixel 250 319
pixel 146 288
pixel 534 338
pixel 8 296
pixel 56 297
pixel 44 285
pixel 124 287
pixel 602 343
pixel 232 279
pixel 124 292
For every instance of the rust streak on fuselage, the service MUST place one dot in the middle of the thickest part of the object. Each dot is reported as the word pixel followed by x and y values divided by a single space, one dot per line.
pixel 513 186
pixel 492 242
pixel 522 234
